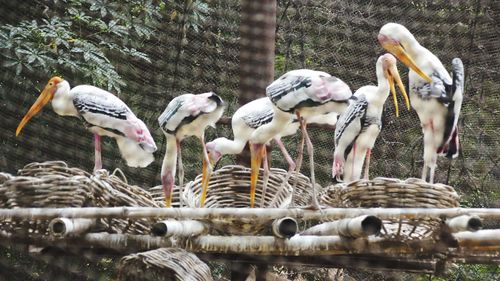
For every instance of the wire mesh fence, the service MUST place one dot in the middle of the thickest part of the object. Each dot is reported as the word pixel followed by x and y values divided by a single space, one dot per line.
pixel 148 52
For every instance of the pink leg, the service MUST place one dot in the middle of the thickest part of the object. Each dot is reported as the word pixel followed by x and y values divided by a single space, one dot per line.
pixel 97 148
pixel 289 160
pixel 367 163
pixel 299 163
pixel 310 150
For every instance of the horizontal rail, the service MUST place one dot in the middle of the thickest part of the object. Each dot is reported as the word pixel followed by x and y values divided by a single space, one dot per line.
pixel 259 214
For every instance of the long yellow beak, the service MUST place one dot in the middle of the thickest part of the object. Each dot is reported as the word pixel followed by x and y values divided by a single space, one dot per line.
pixel 403 56
pixel 43 99
pixel 205 179
pixel 256 154
pixel 393 74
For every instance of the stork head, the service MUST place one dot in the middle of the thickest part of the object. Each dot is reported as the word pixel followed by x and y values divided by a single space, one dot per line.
pixel 393 37
pixel 45 97
pixel 214 151
pixel 391 73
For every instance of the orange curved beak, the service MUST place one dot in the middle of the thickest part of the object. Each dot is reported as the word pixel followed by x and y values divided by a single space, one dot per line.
pixel 256 155
pixel 393 74
pixel 205 179
pixel 405 58
pixel 45 96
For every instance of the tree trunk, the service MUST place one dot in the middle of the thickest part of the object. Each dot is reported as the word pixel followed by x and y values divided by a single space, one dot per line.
pixel 257 40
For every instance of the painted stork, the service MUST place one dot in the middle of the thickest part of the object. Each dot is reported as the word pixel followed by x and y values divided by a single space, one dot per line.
pixel 104 114
pixel 358 127
pixel 187 115
pixel 246 120
pixel 303 93
pixel 434 94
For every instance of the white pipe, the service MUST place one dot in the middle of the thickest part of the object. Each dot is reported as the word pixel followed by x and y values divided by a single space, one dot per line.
pixel 285 227
pixel 185 228
pixel 361 226
pixel 63 227
pixel 464 223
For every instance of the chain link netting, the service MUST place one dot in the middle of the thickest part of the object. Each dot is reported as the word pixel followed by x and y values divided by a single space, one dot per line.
pixel 195 48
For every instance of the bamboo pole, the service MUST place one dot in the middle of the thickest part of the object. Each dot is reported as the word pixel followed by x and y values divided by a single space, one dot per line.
pixel 62 227
pixel 464 223
pixel 487 239
pixel 185 228
pixel 285 227
pixel 361 226
pixel 255 214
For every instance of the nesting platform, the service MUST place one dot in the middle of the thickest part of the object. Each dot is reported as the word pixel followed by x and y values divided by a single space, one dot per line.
pixel 379 224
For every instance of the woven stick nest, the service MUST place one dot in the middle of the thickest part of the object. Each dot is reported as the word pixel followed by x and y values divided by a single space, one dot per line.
pixel 394 193
pixel 163 264
pixel 54 184
pixel 229 187
pixel 159 196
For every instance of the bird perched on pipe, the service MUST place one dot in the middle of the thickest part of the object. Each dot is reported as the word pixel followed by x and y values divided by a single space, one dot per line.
pixel 435 95
pixel 359 126
pixel 104 114
pixel 187 115
pixel 300 94
pixel 247 119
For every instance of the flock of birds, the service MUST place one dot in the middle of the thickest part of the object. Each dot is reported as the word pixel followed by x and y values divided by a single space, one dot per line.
pixel 294 100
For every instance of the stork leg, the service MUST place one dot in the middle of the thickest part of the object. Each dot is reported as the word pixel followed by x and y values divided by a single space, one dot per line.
pixel 367 163
pixel 430 152
pixel 97 148
pixel 266 177
pixel 288 158
pixel 206 173
pixel 310 150
pixel 300 157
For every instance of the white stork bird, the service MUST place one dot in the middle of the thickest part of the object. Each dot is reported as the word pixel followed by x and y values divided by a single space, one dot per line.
pixel 302 93
pixel 187 115
pixel 358 127
pixel 434 94
pixel 247 119
pixel 104 114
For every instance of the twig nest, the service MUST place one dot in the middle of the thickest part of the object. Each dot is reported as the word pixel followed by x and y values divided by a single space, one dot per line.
pixel 163 264
pixel 3 198
pixel 229 187
pixel 395 193
pixel 187 198
pixel 54 184
pixel 112 191
pixel 37 169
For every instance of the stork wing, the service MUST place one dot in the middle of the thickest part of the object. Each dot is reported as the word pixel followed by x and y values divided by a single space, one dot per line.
pixel 301 87
pixel 350 124
pixel 90 99
pixel 454 93
pixel 185 108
